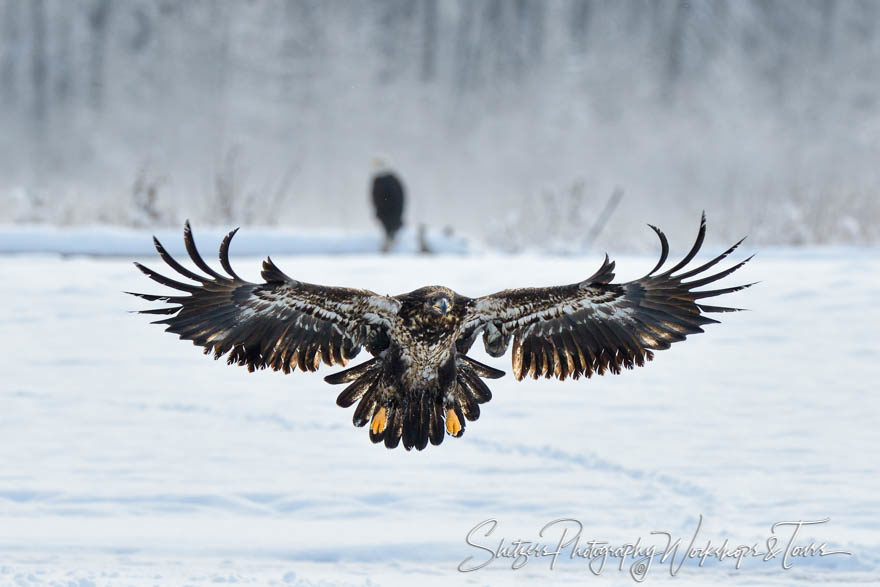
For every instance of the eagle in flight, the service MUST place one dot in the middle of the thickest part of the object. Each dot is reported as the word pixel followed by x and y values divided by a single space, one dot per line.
pixel 420 384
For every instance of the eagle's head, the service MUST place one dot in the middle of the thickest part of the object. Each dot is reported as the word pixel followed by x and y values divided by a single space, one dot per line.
pixel 432 305
pixel 439 300
pixel 440 304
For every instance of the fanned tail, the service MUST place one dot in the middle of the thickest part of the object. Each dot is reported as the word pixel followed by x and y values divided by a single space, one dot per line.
pixel 415 417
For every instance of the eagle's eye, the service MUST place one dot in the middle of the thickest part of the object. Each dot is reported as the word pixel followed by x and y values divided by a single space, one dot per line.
pixel 440 304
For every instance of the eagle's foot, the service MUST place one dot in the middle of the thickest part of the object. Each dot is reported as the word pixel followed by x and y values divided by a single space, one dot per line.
pixel 377 424
pixel 453 424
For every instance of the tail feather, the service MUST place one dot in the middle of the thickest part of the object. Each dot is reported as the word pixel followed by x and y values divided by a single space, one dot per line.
pixel 467 399
pixel 394 429
pixel 356 390
pixel 413 417
pixel 479 368
pixel 424 417
pixel 461 420
pixel 367 406
pixel 410 423
pixel 352 373
pixel 435 428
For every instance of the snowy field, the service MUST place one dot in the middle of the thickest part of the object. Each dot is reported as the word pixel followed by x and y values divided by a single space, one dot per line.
pixel 128 457
pixel 116 241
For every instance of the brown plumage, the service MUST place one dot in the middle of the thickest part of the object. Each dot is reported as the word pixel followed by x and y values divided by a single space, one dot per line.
pixel 419 384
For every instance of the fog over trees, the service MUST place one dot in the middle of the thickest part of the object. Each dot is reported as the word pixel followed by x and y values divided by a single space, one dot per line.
pixel 511 120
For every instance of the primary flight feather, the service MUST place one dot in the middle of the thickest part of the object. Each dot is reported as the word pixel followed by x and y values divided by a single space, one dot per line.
pixel 419 384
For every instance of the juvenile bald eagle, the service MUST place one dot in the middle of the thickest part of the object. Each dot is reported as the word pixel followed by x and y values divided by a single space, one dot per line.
pixel 419 383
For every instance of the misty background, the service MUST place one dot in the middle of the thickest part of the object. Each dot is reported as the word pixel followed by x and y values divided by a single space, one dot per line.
pixel 509 121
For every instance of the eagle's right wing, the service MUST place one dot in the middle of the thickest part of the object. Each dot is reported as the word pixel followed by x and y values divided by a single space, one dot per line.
pixel 282 323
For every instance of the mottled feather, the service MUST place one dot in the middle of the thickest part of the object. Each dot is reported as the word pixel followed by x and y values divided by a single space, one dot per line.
pixel 419 384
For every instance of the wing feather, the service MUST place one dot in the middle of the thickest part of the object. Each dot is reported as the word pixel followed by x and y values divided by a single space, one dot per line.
pixel 190 244
pixel 595 325
pixel 279 324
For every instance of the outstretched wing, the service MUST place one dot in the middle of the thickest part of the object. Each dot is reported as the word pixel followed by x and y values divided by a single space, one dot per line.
pixel 282 323
pixel 595 325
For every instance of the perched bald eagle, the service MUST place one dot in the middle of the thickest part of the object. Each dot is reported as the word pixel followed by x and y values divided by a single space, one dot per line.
pixel 388 199
pixel 419 383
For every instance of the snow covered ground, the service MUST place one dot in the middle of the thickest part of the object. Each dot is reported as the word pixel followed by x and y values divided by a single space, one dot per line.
pixel 115 241
pixel 128 457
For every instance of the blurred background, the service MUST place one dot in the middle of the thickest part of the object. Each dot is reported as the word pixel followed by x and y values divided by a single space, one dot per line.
pixel 512 122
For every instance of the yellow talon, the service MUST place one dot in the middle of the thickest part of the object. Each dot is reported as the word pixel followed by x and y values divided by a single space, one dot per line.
pixel 377 425
pixel 453 426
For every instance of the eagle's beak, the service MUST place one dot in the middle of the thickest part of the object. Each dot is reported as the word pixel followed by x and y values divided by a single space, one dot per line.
pixel 442 305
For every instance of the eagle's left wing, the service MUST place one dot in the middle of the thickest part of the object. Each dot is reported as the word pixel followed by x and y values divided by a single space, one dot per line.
pixel 281 324
pixel 594 325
